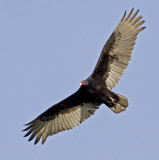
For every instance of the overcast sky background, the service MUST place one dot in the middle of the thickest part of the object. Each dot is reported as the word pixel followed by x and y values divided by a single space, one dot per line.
pixel 46 48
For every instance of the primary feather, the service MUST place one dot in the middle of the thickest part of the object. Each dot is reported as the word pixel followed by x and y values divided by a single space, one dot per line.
pixel 116 53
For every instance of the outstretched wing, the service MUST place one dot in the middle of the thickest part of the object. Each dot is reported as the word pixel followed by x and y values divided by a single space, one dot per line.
pixel 62 116
pixel 117 51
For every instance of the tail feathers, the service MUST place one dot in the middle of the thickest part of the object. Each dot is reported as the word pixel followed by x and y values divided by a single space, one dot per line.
pixel 120 105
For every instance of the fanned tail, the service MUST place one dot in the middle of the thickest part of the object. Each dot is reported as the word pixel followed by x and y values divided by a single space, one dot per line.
pixel 120 103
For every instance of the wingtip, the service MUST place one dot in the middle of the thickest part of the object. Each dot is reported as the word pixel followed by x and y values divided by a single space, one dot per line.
pixel 128 15
pixel 137 11
pixel 132 9
pixel 27 123
pixel 25 135
pixel 43 141
pixel 30 139
pixel 143 28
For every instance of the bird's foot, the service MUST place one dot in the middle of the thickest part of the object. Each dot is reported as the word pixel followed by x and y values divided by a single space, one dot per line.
pixel 111 102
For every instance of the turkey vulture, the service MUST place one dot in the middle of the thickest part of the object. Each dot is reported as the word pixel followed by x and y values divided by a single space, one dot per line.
pixel 96 89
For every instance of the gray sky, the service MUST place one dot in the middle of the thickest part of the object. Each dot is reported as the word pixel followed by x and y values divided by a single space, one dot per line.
pixel 46 49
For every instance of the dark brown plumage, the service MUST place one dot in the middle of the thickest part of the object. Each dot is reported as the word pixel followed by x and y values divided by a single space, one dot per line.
pixel 96 89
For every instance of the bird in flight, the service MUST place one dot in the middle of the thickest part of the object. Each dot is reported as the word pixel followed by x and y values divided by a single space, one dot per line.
pixel 96 89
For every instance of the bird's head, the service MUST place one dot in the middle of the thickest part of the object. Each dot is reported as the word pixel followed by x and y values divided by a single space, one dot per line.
pixel 84 83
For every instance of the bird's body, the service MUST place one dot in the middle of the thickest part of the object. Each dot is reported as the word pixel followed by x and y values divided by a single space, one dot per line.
pixel 96 89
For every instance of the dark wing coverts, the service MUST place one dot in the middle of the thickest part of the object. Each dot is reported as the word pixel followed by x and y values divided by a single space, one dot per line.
pixel 62 116
pixel 117 51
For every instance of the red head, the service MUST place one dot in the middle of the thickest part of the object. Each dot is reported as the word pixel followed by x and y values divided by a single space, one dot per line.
pixel 84 83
